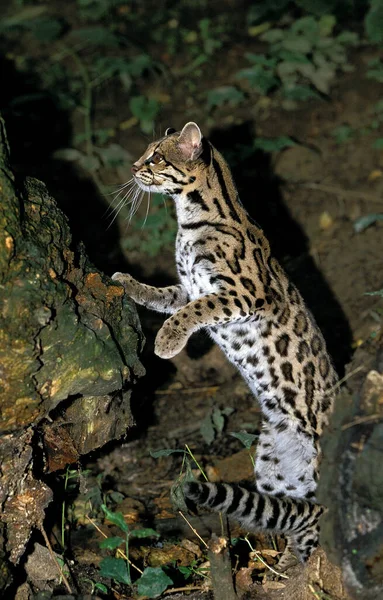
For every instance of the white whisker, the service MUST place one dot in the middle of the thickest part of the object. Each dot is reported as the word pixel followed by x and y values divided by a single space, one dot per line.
pixel 147 209
pixel 128 187
pixel 165 203
pixel 127 198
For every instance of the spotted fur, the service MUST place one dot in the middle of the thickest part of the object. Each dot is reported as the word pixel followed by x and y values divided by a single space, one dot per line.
pixel 231 285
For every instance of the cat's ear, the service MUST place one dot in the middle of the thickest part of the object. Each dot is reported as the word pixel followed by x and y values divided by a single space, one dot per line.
pixel 190 141
pixel 169 131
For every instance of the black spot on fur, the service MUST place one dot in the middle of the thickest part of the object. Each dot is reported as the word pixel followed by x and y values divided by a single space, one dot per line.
pixel 287 371
pixel 282 344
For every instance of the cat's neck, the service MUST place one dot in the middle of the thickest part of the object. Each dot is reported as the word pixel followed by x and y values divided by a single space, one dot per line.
pixel 211 197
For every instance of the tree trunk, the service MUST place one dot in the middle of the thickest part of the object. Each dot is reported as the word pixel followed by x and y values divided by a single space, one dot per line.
pixel 351 482
pixel 69 344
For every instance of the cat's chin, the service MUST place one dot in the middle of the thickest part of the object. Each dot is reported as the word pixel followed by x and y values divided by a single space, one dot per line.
pixel 153 188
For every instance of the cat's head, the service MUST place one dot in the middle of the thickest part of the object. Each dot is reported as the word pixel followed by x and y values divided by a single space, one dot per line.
pixel 169 164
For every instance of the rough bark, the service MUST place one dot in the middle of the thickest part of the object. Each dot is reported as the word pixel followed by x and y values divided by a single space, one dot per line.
pixel 351 482
pixel 69 344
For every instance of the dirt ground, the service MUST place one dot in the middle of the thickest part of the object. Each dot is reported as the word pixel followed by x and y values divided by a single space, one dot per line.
pixel 307 198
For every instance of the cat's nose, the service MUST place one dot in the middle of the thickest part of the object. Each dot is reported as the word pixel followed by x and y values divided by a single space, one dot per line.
pixel 135 168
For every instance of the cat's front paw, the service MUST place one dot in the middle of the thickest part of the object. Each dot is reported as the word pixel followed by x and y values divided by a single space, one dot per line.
pixel 170 340
pixel 129 283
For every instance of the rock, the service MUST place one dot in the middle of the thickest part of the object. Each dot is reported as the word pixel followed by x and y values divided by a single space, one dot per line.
pixel 298 163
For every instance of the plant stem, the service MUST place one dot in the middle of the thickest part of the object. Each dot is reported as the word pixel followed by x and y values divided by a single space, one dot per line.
pixel 196 462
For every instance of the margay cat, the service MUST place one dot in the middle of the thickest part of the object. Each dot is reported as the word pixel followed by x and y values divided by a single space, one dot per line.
pixel 233 287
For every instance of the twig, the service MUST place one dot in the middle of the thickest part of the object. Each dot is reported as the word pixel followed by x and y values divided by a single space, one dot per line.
pixel 332 189
pixel 195 460
pixel 118 549
pixel 345 378
pixel 318 595
pixel 259 557
pixel 193 530
pixel 189 588
pixel 53 555
pixel 199 390
pixel 360 420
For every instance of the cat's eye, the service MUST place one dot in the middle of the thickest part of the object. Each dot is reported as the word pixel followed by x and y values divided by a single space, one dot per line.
pixel 154 159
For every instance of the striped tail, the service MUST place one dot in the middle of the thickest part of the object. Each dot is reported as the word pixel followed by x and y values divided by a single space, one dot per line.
pixel 295 517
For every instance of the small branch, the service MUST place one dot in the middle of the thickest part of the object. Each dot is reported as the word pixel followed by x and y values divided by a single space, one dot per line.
pixel 53 555
pixel 360 420
pixel 195 460
pixel 259 557
pixel 332 189
pixel 189 588
pixel 195 390
pixel 193 529
pixel 220 569
pixel 344 379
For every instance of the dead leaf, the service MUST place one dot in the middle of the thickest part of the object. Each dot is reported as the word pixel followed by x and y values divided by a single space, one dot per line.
pixel 375 174
pixel 273 585
pixel 325 221
pixel 243 580
pixel 191 547
pixel 270 552
pixel 157 557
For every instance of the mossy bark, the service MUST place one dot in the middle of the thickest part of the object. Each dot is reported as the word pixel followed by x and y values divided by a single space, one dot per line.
pixel 69 345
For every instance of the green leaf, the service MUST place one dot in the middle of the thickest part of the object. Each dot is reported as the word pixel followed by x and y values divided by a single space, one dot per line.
pixel 186 571
pixel 153 582
pixel 113 155
pixel 318 7
pixel 343 133
pixel 116 569
pixel 222 95
pixel 166 452
pixel 111 543
pixel 378 108
pixel 293 57
pixel 297 44
pixel 261 59
pixel 273 144
pixel 259 78
pixel 138 64
pixel 247 439
pixel 177 495
pixel 93 10
pixel 378 144
pixel 227 411
pixel 144 533
pixel 373 22
pixel 326 25
pixel 22 17
pixel 117 518
pixel 47 29
pixel 363 222
pixel 145 110
pixel 307 25
pixel 348 38
pixel 273 35
pixel 101 587
pixel 218 419
pixel 207 429
pixel 96 36
pixel 377 293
